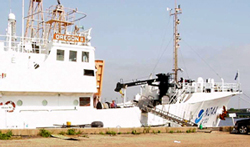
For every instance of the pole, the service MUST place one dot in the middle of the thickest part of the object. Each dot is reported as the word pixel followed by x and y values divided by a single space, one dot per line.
pixel 177 10
pixel 22 25
pixel 238 80
pixel 175 45
pixel 124 97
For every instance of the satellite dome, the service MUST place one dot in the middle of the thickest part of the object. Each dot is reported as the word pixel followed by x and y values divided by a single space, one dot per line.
pixel 12 16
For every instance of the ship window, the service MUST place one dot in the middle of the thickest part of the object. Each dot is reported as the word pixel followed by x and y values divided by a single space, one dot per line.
pixel 60 55
pixel 72 56
pixel 45 102
pixel 75 103
pixel 85 56
pixel 84 101
pixel 19 103
pixel 88 72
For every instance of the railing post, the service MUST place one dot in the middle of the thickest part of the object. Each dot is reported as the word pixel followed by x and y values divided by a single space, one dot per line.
pixel 222 84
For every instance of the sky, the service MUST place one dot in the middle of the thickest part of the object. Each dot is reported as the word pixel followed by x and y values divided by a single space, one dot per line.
pixel 134 37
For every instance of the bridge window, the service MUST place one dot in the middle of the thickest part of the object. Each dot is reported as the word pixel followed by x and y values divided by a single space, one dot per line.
pixel 85 56
pixel 60 55
pixel 84 101
pixel 88 72
pixel 72 56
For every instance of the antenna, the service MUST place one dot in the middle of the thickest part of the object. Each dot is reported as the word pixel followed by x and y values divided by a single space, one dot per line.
pixel 177 11
pixel 10 6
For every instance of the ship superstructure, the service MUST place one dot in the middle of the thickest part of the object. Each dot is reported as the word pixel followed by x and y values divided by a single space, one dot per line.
pixel 49 75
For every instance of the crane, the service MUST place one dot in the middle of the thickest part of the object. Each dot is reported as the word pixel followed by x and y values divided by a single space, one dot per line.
pixel 162 82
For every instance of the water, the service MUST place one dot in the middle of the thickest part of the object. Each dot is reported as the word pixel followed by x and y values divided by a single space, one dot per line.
pixel 228 121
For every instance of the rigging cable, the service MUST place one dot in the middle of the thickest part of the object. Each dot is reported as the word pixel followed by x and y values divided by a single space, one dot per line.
pixel 183 62
pixel 246 95
pixel 161 56
pixel 202 59
pixel 163 40
pixel 245 100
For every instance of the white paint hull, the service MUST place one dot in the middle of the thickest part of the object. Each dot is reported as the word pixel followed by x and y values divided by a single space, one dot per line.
pixel 60 110
pixel 190 111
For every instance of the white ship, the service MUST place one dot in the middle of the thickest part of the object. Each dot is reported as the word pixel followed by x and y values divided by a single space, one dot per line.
pixel 185 102
pixel 49 76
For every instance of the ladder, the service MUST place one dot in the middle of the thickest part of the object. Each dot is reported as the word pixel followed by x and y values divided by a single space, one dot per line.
pixel 168 116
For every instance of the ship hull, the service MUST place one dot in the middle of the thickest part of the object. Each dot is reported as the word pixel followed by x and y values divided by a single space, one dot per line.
pixel 57 113
pixel 203 112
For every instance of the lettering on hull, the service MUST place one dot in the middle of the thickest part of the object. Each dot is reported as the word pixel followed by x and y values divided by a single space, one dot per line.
pixel 205 114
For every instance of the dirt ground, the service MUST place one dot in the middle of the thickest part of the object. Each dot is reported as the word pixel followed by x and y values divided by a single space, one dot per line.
pixel 220 139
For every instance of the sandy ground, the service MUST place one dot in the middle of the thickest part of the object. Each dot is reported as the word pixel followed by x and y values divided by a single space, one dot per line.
pixel 220 139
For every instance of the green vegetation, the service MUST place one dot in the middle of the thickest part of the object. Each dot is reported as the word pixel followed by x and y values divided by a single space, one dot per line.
pixel 78 132
pixel 62 133
pixel 111 133
pixel 146 129
pixel 178 131
pixel 135 133
pixel 44 133
pixel 119 133
pixel 159 131
pixel 6 136
pixel 171 131
pixel 71 132
pixel 193 130
pixel 101 133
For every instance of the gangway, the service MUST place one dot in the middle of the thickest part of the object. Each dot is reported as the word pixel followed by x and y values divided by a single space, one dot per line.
pixel 166 115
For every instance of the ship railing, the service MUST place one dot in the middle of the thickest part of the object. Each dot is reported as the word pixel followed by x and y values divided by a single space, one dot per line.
pixel 189 88
pixel 211 87
pixel 71 15
pixel 226 87
pixel 172 117
pixel 23 44
pixel 49 109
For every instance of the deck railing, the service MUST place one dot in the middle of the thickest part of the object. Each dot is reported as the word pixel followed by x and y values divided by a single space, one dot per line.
pixel 211 87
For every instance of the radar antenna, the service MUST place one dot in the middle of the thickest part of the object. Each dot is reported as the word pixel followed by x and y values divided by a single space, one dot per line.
pixel 58 1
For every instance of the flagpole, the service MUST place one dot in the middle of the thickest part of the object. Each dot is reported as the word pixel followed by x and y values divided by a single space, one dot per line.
pixel 22 25
pixel 238 80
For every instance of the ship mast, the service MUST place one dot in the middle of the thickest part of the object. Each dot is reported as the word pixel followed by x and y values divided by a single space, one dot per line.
pixel 35 20
pixel 177 11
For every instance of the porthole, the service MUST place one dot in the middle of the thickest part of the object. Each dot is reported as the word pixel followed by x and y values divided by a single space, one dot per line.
pixel 45 103
pixel 19 103
pixel 75 102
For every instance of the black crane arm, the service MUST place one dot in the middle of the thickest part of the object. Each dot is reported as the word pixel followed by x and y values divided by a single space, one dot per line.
pixel 119 85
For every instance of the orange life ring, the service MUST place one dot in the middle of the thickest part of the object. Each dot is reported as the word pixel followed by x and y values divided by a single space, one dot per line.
pixel 13 105
pixel 223 114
